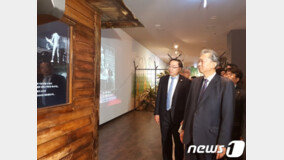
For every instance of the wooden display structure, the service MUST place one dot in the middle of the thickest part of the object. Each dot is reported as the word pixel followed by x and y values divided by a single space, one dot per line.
pixel 70 131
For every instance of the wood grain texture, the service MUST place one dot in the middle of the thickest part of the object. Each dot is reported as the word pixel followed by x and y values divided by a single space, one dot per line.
pixel 58 119
pixel 57 131
pixel 68 157
pixel 82 75
pixel 51 111
pixel 82 7
pixel 97 66
pixel 60 142
pixel 83 48
pixel 76 145
pixel 51 146
pixel 84 101
pixel 85 156
pixel 85 56
pixel 84 36
pixel 86 52
pixel 69 131
pixel 85 153
pixel 84 66
pixel 83 84
pixel 84 93
pixel 115 14
pixel 80 12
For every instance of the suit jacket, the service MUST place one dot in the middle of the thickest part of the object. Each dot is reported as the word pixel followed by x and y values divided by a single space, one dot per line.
pixel 60 92
pixel 209 120
pixel 178 99
pixel 240 113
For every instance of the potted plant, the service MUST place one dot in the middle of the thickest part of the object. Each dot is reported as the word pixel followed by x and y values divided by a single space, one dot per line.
pixel 148 98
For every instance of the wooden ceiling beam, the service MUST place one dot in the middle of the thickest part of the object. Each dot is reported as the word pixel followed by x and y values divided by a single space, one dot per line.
pixel 115 14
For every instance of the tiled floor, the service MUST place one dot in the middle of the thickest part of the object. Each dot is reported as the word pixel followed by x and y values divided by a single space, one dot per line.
pixel 133 136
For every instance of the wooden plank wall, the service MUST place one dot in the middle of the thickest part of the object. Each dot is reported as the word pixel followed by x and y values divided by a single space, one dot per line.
pixel 70 131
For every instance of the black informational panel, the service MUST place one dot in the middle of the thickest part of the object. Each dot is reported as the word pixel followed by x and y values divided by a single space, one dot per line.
pixel 52 64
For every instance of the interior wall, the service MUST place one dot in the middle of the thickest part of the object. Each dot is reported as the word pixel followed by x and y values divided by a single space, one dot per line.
pixel 124 49
pixel 236 41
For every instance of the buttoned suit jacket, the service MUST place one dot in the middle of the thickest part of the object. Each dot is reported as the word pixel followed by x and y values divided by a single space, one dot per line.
pixel 178 99
pixel 209 120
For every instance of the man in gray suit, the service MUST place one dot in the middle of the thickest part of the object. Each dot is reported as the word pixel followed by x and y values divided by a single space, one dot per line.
pixel 209 112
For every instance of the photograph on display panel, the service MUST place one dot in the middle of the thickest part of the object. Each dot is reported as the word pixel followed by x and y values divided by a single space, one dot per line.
pixel 52 64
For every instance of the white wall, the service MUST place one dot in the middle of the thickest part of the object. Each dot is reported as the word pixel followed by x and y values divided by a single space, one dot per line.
pixel 126 51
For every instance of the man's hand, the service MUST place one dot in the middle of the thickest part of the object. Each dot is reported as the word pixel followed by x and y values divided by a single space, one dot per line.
pixel 181 135
pixel 157 119
pixel 221 155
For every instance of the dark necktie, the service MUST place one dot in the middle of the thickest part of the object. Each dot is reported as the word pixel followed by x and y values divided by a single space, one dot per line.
pixel 204 86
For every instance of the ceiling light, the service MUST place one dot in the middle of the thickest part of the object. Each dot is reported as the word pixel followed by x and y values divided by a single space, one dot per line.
pixel 157 25
pixel 176 46
pixel 195 65
pixel 204 3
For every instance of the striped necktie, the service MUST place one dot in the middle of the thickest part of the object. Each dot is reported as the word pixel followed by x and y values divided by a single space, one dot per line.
pixel 204 86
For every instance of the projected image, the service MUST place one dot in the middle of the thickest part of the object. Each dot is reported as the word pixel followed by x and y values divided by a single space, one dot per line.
pixel 107 75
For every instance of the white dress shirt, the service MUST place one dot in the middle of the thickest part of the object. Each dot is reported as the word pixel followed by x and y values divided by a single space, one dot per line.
pixel 174 86
pixel 209 78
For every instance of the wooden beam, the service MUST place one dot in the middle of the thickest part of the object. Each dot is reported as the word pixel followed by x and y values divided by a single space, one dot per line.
pixel 115 14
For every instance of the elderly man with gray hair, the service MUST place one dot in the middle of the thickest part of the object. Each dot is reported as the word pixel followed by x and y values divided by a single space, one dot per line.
pixel 209 112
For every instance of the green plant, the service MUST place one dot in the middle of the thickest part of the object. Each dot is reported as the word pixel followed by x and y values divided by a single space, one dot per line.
pixel 147 100
pixel 166 72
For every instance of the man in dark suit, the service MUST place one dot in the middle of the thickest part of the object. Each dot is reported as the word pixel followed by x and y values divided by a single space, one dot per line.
pixel 169 110
pixel 53 85
pixel 209 112
pixel 235 74
pixel 239 127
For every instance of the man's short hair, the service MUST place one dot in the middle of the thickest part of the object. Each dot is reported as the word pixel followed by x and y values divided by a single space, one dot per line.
pixel 232 65
pixel 238 73
pixel 213 56
pixel 219 70
pixel 47 62
pixel 179 62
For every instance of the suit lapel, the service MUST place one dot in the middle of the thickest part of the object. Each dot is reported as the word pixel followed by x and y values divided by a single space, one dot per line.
pixel 166 86
pixel 210 87
pixel 198 89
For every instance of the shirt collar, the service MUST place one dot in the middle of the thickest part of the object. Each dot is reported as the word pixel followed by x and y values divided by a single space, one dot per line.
pixel 176 77
pixel 47 76
pixel 211 77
